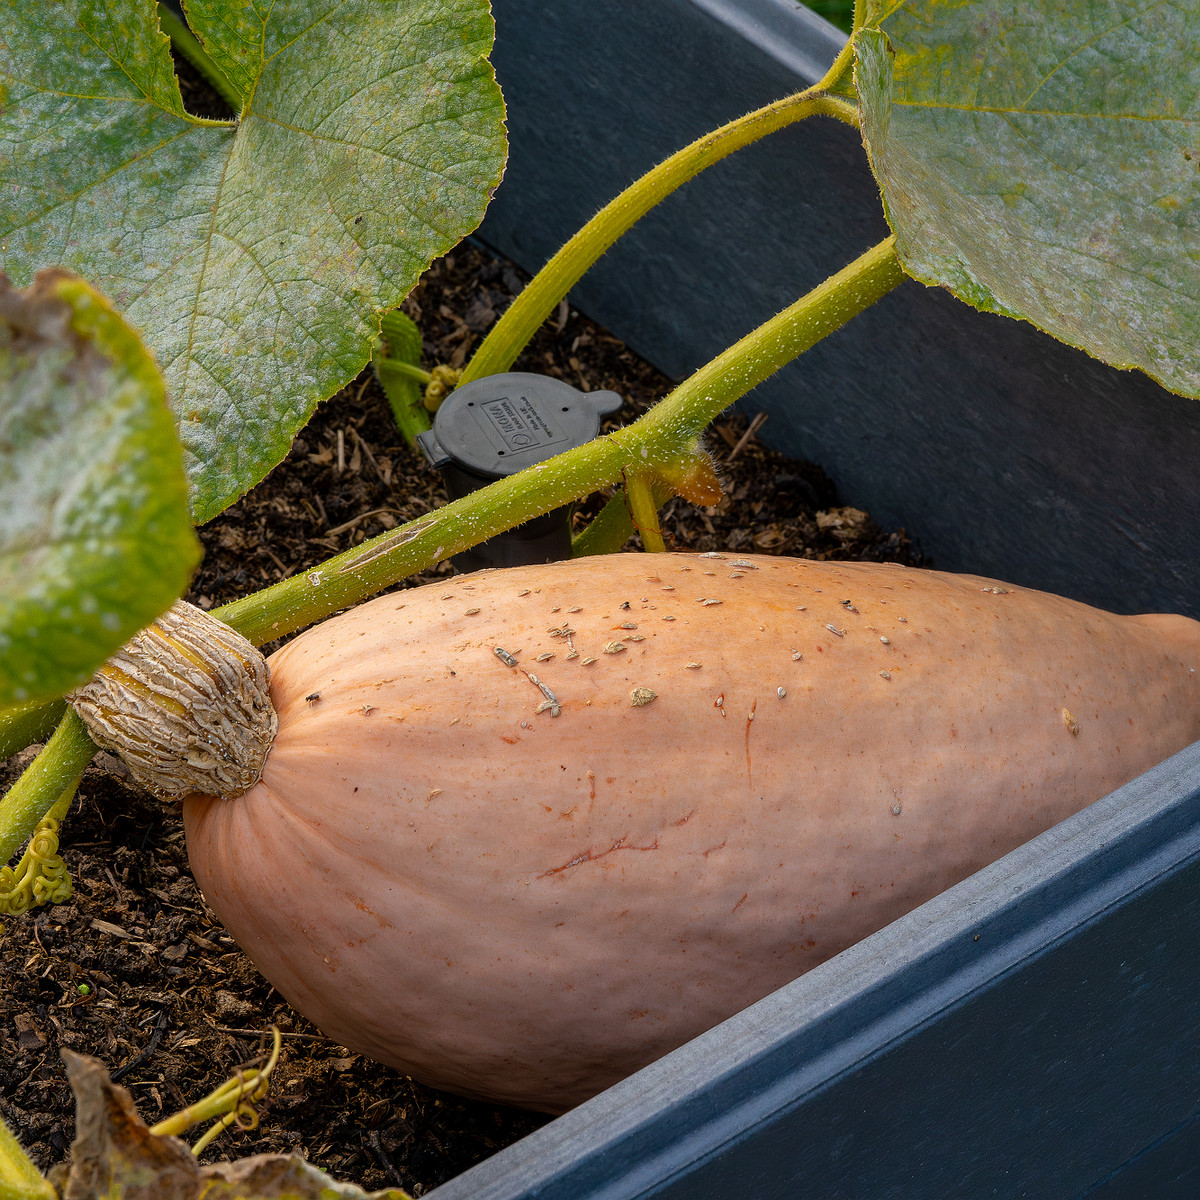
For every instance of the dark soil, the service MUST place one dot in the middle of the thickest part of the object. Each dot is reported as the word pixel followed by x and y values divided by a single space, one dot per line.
pixel 135 970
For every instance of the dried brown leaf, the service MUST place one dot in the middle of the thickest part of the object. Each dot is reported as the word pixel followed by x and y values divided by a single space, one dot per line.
pixel 115 1155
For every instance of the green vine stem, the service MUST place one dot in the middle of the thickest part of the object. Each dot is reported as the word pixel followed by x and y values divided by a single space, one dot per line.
pixel 185 42
pixel 520 321
pixel 639 491
pixel 19 1178
pixel 607 531
pixel 55 771
pixel 663 441
pixel 23 724
pixel 408 370
pixel 612 526
pixel 657 442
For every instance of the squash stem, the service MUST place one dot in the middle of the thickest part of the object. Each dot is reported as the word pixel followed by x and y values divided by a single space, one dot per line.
pixel 521 320
pixel 55 771
pixel 664 436
pixel 408 370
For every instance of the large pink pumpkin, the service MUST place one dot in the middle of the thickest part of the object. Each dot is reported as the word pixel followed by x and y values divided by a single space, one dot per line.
pixel 526 901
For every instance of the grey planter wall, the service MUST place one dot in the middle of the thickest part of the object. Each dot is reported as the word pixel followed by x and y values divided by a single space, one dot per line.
pixel 1034 1031
pixel 1003 451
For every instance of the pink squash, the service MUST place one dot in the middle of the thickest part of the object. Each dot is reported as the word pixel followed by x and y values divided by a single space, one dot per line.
pixel 524 831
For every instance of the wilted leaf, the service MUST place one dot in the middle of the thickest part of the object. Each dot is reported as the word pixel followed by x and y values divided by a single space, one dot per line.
pixel 115 1155
pixel 281 1177
pixel 95 539
pixel 1042 160
pixel 253 255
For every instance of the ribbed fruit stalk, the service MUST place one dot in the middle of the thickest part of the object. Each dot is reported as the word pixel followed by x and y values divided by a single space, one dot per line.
pixel 185 704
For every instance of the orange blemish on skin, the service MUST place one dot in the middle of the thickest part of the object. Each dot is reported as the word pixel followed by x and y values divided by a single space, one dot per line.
pixel 749 722
pixel 589 856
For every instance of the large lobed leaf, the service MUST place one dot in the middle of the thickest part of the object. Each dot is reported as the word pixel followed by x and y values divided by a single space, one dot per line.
pixel 1042 160
pixel 255 255
pixel 95 539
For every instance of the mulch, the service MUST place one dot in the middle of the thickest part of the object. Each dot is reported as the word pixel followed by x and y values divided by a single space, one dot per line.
pixel 135 970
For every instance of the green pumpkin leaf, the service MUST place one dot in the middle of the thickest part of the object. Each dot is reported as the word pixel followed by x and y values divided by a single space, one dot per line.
pixel 95 539
pixel 1042 160
pixel 254 255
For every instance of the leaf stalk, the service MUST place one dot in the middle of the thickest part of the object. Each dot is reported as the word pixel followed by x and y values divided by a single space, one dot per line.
pixel 55 771
pixel 644 511
pixel 541 296
pixel 23 724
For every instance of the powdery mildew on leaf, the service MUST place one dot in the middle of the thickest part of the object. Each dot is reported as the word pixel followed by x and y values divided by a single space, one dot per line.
pixel 95 539
pixel 255 255
pixel 1043 161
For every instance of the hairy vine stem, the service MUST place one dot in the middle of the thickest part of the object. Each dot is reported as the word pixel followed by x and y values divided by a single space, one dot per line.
pixel 19 1178
pixel 639 491
pixel 657 442
pixel 55 771
pixel 520 321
